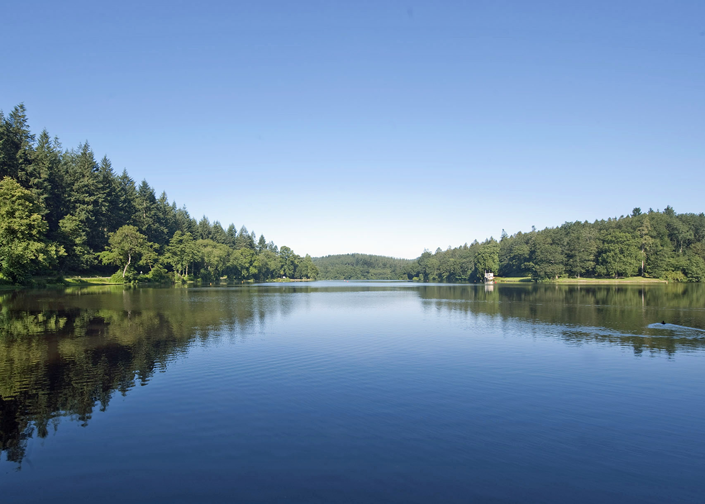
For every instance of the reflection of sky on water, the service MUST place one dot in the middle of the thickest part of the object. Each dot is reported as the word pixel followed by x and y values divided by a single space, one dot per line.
pixel 441 392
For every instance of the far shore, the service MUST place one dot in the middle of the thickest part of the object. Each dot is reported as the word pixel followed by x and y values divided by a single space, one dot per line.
pixel 584 281
pixel 83 281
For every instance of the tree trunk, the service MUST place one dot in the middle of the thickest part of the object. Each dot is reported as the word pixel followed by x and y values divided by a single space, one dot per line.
pixel 129 258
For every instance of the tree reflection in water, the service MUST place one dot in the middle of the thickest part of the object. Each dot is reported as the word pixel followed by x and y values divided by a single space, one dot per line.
pixel 65 353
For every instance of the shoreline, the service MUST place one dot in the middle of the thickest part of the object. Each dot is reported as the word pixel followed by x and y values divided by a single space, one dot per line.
pixel 91 281
pixel 585 281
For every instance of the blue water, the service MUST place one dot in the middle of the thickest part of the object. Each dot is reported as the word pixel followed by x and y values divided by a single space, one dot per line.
pixel 354 392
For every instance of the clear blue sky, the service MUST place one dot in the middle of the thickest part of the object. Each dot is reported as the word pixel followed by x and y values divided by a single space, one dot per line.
pixel 376 126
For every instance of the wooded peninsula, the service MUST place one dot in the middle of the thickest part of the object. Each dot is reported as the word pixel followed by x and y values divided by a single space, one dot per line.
pixel 64 213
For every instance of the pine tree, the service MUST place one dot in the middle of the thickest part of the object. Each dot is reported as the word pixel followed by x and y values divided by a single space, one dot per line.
pixel 16 146
pixel 47 181
pixel 232 235
pixel 261 244
pixel 218 234
pixel 204 229
pixel 126 198
pixel 147 217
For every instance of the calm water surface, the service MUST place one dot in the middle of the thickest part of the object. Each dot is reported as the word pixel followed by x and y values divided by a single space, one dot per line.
pixel 354 392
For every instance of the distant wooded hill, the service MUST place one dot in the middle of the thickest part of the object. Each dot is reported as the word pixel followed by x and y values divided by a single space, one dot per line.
pixel 649 244
pixel 362 267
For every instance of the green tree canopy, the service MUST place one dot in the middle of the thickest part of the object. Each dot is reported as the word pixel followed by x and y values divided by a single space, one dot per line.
pixel 619 255
pixel 23 249
pixel 125 246
pixel 181 252
pixel 215 257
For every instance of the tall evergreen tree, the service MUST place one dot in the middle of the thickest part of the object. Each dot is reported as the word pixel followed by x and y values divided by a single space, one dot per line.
pixel 205 232
pixel 218 233
pixel 16 146
pixel 47 181
pixel 148 216
pixel 231 233
pixel 244 239
pixel 126 197
pixel 261 244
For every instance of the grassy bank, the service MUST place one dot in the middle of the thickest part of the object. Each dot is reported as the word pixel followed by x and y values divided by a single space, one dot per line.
pixel 629 280
pixel 90 280
pixel 512 279
pixel 585 281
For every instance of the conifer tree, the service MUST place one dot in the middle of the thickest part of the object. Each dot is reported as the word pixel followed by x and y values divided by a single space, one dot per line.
pixel 232 235
pixel 47 181
pixel 16 146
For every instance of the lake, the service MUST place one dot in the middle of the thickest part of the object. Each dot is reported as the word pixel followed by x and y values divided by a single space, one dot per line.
pixel 330 392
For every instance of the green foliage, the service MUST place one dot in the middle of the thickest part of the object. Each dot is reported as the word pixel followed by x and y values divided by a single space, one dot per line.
pixel 486 259
pixel 663 245
pixel 244 239
pixel 62 208
pixel 307 269
pixel 514 254
pixel 580 249
pixel 269 265
pixel 125 246
pixel 23 249
pixel 360 266
pixel 462 264
pixel 181 253
pixel 546 257
pixel 244 264
pixel 81 210
pixel 215 258
pixel 158 274
pixel 618 255
pixel 289 262
pixel 118 278
pixel 695 268
pixel 16 146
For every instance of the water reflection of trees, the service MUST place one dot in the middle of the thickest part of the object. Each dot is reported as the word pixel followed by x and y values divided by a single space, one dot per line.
pixel 68 355
pixel 611 314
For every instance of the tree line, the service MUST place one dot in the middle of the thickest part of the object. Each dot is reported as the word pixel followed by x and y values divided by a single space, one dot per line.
pixel 361 267
pixel 63 212
pixel 653 244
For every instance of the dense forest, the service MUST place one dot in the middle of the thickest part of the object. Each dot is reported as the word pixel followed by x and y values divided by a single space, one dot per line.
pixel 650 244
pixel 63 212
pixel 361 267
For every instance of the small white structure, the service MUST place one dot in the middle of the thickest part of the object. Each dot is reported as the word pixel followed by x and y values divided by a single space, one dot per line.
pixel 489 277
